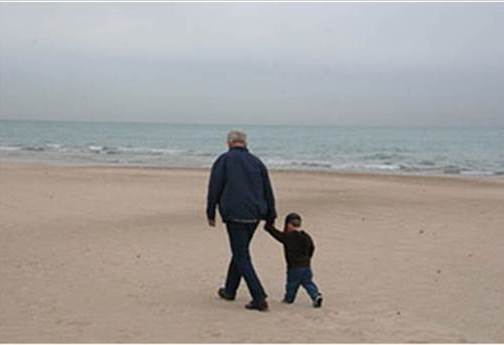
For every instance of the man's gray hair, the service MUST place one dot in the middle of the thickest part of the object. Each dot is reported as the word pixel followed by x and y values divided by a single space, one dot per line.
pixel 237 137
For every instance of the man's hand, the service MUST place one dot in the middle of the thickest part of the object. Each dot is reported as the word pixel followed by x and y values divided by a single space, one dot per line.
pixel 211 222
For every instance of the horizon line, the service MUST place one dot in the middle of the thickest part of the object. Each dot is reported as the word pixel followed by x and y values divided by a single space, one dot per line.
pixel 237 125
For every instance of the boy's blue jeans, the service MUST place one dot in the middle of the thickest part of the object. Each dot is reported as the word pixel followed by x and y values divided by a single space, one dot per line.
pixel 240 235
pixel 300 276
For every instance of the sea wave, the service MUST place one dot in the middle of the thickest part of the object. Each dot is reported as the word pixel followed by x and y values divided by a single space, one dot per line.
pixel 54 146
pixel 96 149
pixel 10 148
pixel 367 167
pixel 479 173
pixel 312 164
pixel 34 148
pixel 289 163
pixel 453 169
pixel 427 162
pixel 383 156
pixel 164 156
pixel 99 149
pixel 103 149
pixel 150 150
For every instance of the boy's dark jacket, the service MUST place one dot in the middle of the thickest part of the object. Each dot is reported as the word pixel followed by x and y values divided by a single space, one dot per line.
pixel 298 246
pixel 240 185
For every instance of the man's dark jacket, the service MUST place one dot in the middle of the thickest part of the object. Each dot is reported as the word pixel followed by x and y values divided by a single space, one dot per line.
pixel 240 185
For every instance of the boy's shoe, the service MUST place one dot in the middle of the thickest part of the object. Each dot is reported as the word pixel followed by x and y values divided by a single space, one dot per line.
pixel 260 306
pixel 317 303
pixel 286 301
pixel 224 295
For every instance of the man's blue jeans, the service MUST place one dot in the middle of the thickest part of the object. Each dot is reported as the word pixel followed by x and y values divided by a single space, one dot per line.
pixel 240 235
pixel 300 276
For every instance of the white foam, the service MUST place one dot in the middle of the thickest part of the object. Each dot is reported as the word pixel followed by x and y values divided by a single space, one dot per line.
pixel 95 148
pixel 477 173
pixel 54 146
pixel 364 167
pixel 10 148
pixel 150 150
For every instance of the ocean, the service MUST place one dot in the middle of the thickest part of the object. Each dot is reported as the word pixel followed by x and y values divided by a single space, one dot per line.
pixel 460 151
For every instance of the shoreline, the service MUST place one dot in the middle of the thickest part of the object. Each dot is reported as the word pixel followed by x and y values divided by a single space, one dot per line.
pixel 287 171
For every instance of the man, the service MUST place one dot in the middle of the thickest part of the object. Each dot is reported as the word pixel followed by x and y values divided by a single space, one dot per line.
pixel 240 186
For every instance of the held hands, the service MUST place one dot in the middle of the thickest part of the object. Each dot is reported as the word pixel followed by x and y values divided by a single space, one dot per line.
pixel 269 225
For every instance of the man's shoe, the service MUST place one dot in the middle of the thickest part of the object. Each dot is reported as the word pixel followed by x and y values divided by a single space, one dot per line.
pixel 286 301
pixel 260 306
pixel 318 302
pixel 224 295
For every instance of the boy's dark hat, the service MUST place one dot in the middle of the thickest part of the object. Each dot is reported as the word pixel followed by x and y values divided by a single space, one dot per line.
pixel 293 218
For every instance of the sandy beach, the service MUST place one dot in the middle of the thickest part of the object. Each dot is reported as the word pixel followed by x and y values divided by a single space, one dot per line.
pixel 110 254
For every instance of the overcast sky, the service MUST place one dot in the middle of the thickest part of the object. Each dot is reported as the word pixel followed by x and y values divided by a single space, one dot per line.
pixel 265 63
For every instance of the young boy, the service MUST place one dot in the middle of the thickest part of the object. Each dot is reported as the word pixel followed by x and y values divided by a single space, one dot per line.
pixel 298 249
